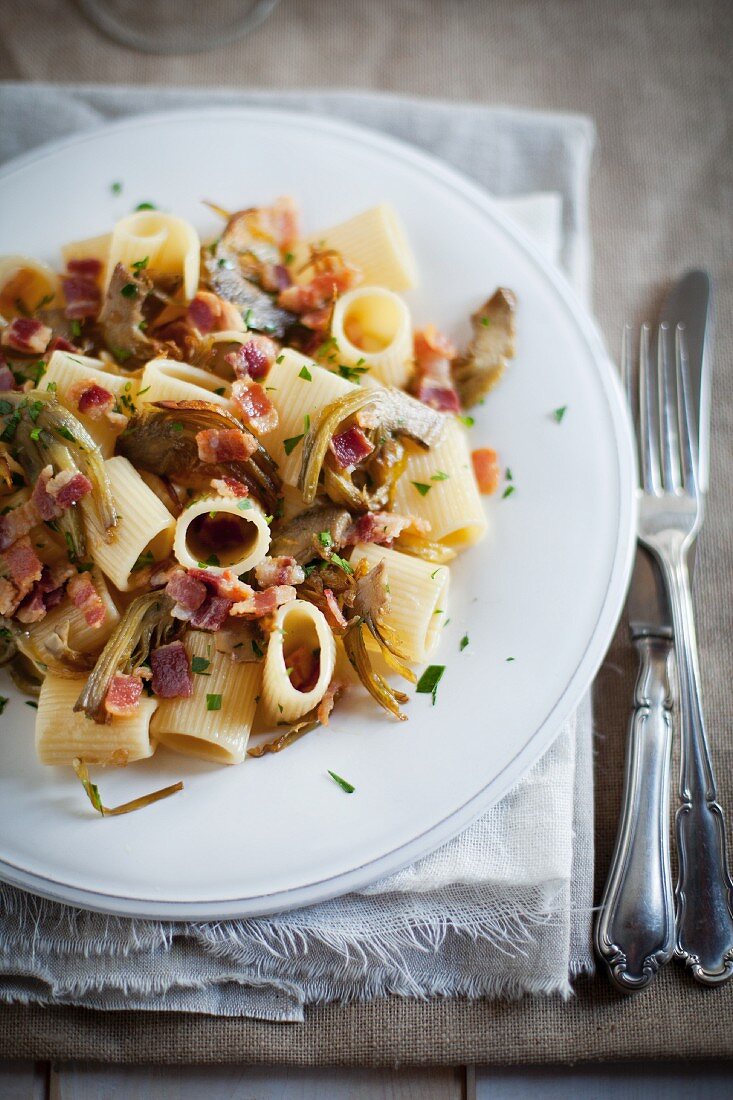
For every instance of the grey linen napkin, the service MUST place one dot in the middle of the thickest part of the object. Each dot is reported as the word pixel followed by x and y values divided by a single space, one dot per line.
pixel 503 909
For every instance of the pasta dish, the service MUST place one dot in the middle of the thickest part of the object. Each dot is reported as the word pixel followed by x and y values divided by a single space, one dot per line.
pixel 233 478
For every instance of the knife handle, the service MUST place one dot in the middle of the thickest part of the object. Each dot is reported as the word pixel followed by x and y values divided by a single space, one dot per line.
pixel 635 931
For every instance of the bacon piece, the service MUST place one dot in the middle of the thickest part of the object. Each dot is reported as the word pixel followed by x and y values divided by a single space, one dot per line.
pixel 229 487
pixel 225 584
pixel 89 268
pixel 217 445
pixel 91 399
pixel 208 312
pixel 27 335
pixel 254 358
pixel 303 666
pixel 187 591
pixel 351 447
pixel 123 695
pixel 7 378
pixel 23 567
pixel 381 527
pixel 68 488
pixel 172 677
pixel 434 382
pixel 83 297
pixel 60 343
pixel 255 407
pixel 212 613
pixel 486 469
pixel 333 612
pixel 17 523
pixel 84 595
pixel 314 299
pixel 280 570
pixel 46 593
pixel 258 604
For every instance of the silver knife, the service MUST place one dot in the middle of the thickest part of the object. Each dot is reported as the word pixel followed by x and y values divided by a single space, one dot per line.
pixel 635 932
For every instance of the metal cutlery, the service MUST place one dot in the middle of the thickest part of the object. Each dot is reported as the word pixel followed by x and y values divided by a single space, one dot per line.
pixel 635 932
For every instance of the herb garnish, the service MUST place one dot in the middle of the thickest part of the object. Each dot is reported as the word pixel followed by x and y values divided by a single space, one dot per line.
pixel 422 488
pixel 129 290
pixel 140 265
pixel 343 783
pixel 146 206
pixel 199 665
pixel 137 803
pixel 463 643
pixel 116 188
pixel 439 475
pixel 213 702
pixel 352 374
pixel 428 682
pixel 508 491
pixel 244 505
pixel 280 359
pixel 143 562
pixel 560 413
pixel 31 703
pixel 305 374
pixel 467 420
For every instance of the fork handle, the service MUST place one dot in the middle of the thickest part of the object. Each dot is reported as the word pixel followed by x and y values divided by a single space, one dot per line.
pixel 704 890
pixel 635 929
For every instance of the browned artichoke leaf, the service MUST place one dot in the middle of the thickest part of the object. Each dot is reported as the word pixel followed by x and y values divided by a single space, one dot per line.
pixel 493 343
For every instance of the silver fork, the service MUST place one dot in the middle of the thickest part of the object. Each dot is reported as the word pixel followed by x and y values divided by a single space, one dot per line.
pixel 670 516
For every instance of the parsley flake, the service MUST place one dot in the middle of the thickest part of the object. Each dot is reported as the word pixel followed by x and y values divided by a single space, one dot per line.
pixel 342 783
pixel 290 444
pixel 244 505
pixel 508 491
pixel 146 206
pixel 213 702
pixel 428 682
pixel 143 562
pixel 129 290
pixel 199 665
pixel 140 265
pixel 486 321
pixel 305 374
pixel 463 643
pixel 560 413
pixel 280 359
pixel 116 188
pixel 422 488
pixel 467 420
pixel 352 374
pixel 439 475
pixel 31 703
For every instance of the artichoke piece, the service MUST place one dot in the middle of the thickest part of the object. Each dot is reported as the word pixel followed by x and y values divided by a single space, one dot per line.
pixel 25 675
pixel 146 624
pixel 385 412
pixel 95 798
pixel 304 725
pixel 53 655
pixel 298 538
pixel 370 603
pixel 492 344
pixel 419 547
pixel 162 439
pixel 41 431
pixel 258 308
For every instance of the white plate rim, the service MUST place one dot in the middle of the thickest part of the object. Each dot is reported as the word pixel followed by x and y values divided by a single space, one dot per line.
pixel 617 582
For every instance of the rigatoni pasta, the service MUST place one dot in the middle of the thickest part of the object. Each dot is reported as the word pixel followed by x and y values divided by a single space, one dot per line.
pixel 214 722
pixel 232 480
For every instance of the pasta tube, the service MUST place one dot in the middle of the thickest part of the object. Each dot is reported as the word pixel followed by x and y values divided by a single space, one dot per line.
pixel 418 599
pixel 92 248
pixel 300 389
pixel 221 533
pixel 144 533
pixel 68 373
pixel 299 662
pixel 372 329
pixel 171 245
pixel 214 722
pixel 439 485
pixel 62 735
pixel 375 242
pixel 168 380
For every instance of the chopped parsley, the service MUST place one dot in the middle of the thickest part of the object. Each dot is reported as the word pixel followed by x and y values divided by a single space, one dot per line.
pixel 121 354
pixel 211 560
pixel 305 374
pixel 146 206
pixel 508 474
pixel 141 392
pixel 75 327
pixel 428 682
pixel 290 444
pixel 129 290
pixel 439 475
pixel 280 359
pixel 341 562
pixel 510 658
pixel 116 188
pixel 325 539
pixel 422 488
pixel 289 257
pixel 64 432
pixel 213 702
pixel 435 572
pixel 486 321
pixel 560 413
pixel 244 505
pixel 257 649
pixel 219 391
pixel 352 374
pixel 31 703
pixel 463 643
pixel 199 665
pixel 176 426
pixel 36 434
pixel 508 491
pixel 140 265
pixel 343 783
pixel 248 317
pixel 3 702
pixel 467 420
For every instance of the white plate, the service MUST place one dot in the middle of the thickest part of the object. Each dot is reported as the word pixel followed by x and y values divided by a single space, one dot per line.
pixel 545 588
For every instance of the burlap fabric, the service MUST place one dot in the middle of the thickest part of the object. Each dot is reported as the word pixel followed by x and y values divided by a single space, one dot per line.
pixel 656 77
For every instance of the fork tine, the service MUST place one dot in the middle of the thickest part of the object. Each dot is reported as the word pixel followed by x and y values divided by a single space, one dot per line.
pixel 668 411
pixel 648 429
pixel 687 426
pixel 627 369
